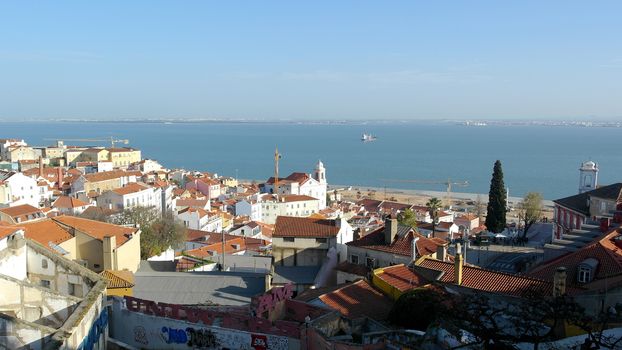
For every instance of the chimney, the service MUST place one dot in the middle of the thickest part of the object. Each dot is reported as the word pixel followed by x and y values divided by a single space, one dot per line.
pixel 110 243
pixel 441 252
pixel 559 282
pixel 390 229
pixel 414 248
pixel 458 265
pixel 60 178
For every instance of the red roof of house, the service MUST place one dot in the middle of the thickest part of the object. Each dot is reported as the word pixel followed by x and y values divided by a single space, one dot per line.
pixel 232 245
pixel 21 213
pixel 401 277
pixel 132 187
pixel 289 226
pixel 402 243
pixel 98 229
pixel 488 280
pixel 359 299
pixel 68 202
pixel 604 250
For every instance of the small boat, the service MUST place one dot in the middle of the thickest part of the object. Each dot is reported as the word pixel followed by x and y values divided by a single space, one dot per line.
pixel 368 138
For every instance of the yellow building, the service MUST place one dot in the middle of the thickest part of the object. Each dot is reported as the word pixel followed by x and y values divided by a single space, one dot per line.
pixel 122 157
pixel 119 283
pixel 94 155
pixel 96 245
pixel 395 280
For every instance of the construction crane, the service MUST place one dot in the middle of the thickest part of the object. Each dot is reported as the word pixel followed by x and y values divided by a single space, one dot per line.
pixel 112 140
pixel 448 183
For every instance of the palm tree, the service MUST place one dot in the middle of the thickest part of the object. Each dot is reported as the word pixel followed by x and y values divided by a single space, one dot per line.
pixel 434 204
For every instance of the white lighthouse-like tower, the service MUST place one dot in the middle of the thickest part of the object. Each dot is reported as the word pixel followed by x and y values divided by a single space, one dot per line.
pixel 588 176
pixel 320 173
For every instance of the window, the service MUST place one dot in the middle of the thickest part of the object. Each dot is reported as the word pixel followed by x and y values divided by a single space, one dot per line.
pixel 44 264
pixel 321 240
pixel 354 259
pixel 584 274
pixel 289 239
pixel 96 266
pixel 45 283
pixel 370 262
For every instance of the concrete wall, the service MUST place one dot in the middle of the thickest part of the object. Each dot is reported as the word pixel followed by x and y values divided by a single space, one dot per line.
pixel 12 262
pixel 301 252
pixel 153 332
pixel 91 250
pixel 23 335
pixel 382 259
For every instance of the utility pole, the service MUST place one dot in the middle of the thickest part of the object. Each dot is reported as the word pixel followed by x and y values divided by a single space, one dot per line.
pixel 277 156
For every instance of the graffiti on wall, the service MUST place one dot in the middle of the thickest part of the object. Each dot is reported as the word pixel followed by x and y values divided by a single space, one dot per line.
pixel 140 335
pixel 99 326
pixel 268 301
pixel 194 338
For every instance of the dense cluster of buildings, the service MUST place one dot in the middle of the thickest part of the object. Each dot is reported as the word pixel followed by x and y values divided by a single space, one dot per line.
pixel 285 264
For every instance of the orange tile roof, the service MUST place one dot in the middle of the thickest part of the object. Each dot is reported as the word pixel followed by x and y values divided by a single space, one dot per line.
pixel 118 279
pixel 289 226
pixel 132 187
pixel 7 230
pixel 106 175
pixel 200 203
pixel 46 231
pixel 97 229
pixel 604 250
pixel 21 213
pixel 296 198
pixel 488 280
pixel 68 202
pixel 359 299
pixel 243 243
pixel 401 277
pixel 401 245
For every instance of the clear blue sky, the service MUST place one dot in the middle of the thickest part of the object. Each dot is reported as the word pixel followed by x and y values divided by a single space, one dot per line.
pixel 319 60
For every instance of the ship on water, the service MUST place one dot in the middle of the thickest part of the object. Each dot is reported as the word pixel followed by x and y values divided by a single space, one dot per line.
pixel 368 138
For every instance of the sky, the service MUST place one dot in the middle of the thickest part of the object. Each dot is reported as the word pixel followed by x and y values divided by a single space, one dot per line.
pixel 311 60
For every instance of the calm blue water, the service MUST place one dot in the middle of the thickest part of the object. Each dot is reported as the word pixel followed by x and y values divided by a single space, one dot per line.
pixel 534 158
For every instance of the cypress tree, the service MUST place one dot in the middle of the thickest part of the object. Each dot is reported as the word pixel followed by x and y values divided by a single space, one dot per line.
pixel 496 210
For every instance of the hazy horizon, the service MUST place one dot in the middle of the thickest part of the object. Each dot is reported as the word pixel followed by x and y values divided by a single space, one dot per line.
pixel 350 60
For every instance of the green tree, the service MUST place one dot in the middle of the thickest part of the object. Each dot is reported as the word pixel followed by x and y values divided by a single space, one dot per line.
pixel 496 210
pixel 530 210
pixel 434 205
pixel 408 218
pixel 158 232
pixel 417 308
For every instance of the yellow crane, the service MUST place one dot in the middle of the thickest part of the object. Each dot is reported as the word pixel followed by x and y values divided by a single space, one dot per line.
pixel 448 183
pixel 112 140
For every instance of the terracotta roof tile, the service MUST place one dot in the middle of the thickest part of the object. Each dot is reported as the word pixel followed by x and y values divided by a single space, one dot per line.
pixel 357 300
pixel 68 202
pixel 289 226
pixel 604 250
pixel 22 213
pixel 45 232
pixel 401 277
pixel 97 229
pixel 118 279
pixel 490 281
pixel 107 175
pixel 7 230
pixel 132 187
pixel 402 243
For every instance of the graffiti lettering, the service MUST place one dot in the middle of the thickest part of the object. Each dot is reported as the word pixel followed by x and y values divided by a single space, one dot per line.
pixel 140 335
pixel 171 335
pixel 201 338
pixel 98 327
pixel 259 342
pixel 268 301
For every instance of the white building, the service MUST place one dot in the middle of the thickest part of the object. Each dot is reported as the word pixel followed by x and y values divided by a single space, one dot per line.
pixel 313 185
pixel 200 219
pixel 132 195
pixel 48 301
pixel 70 205
pixel 6 143
pixel 287 205
pixel 250 208
pixel 17 189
